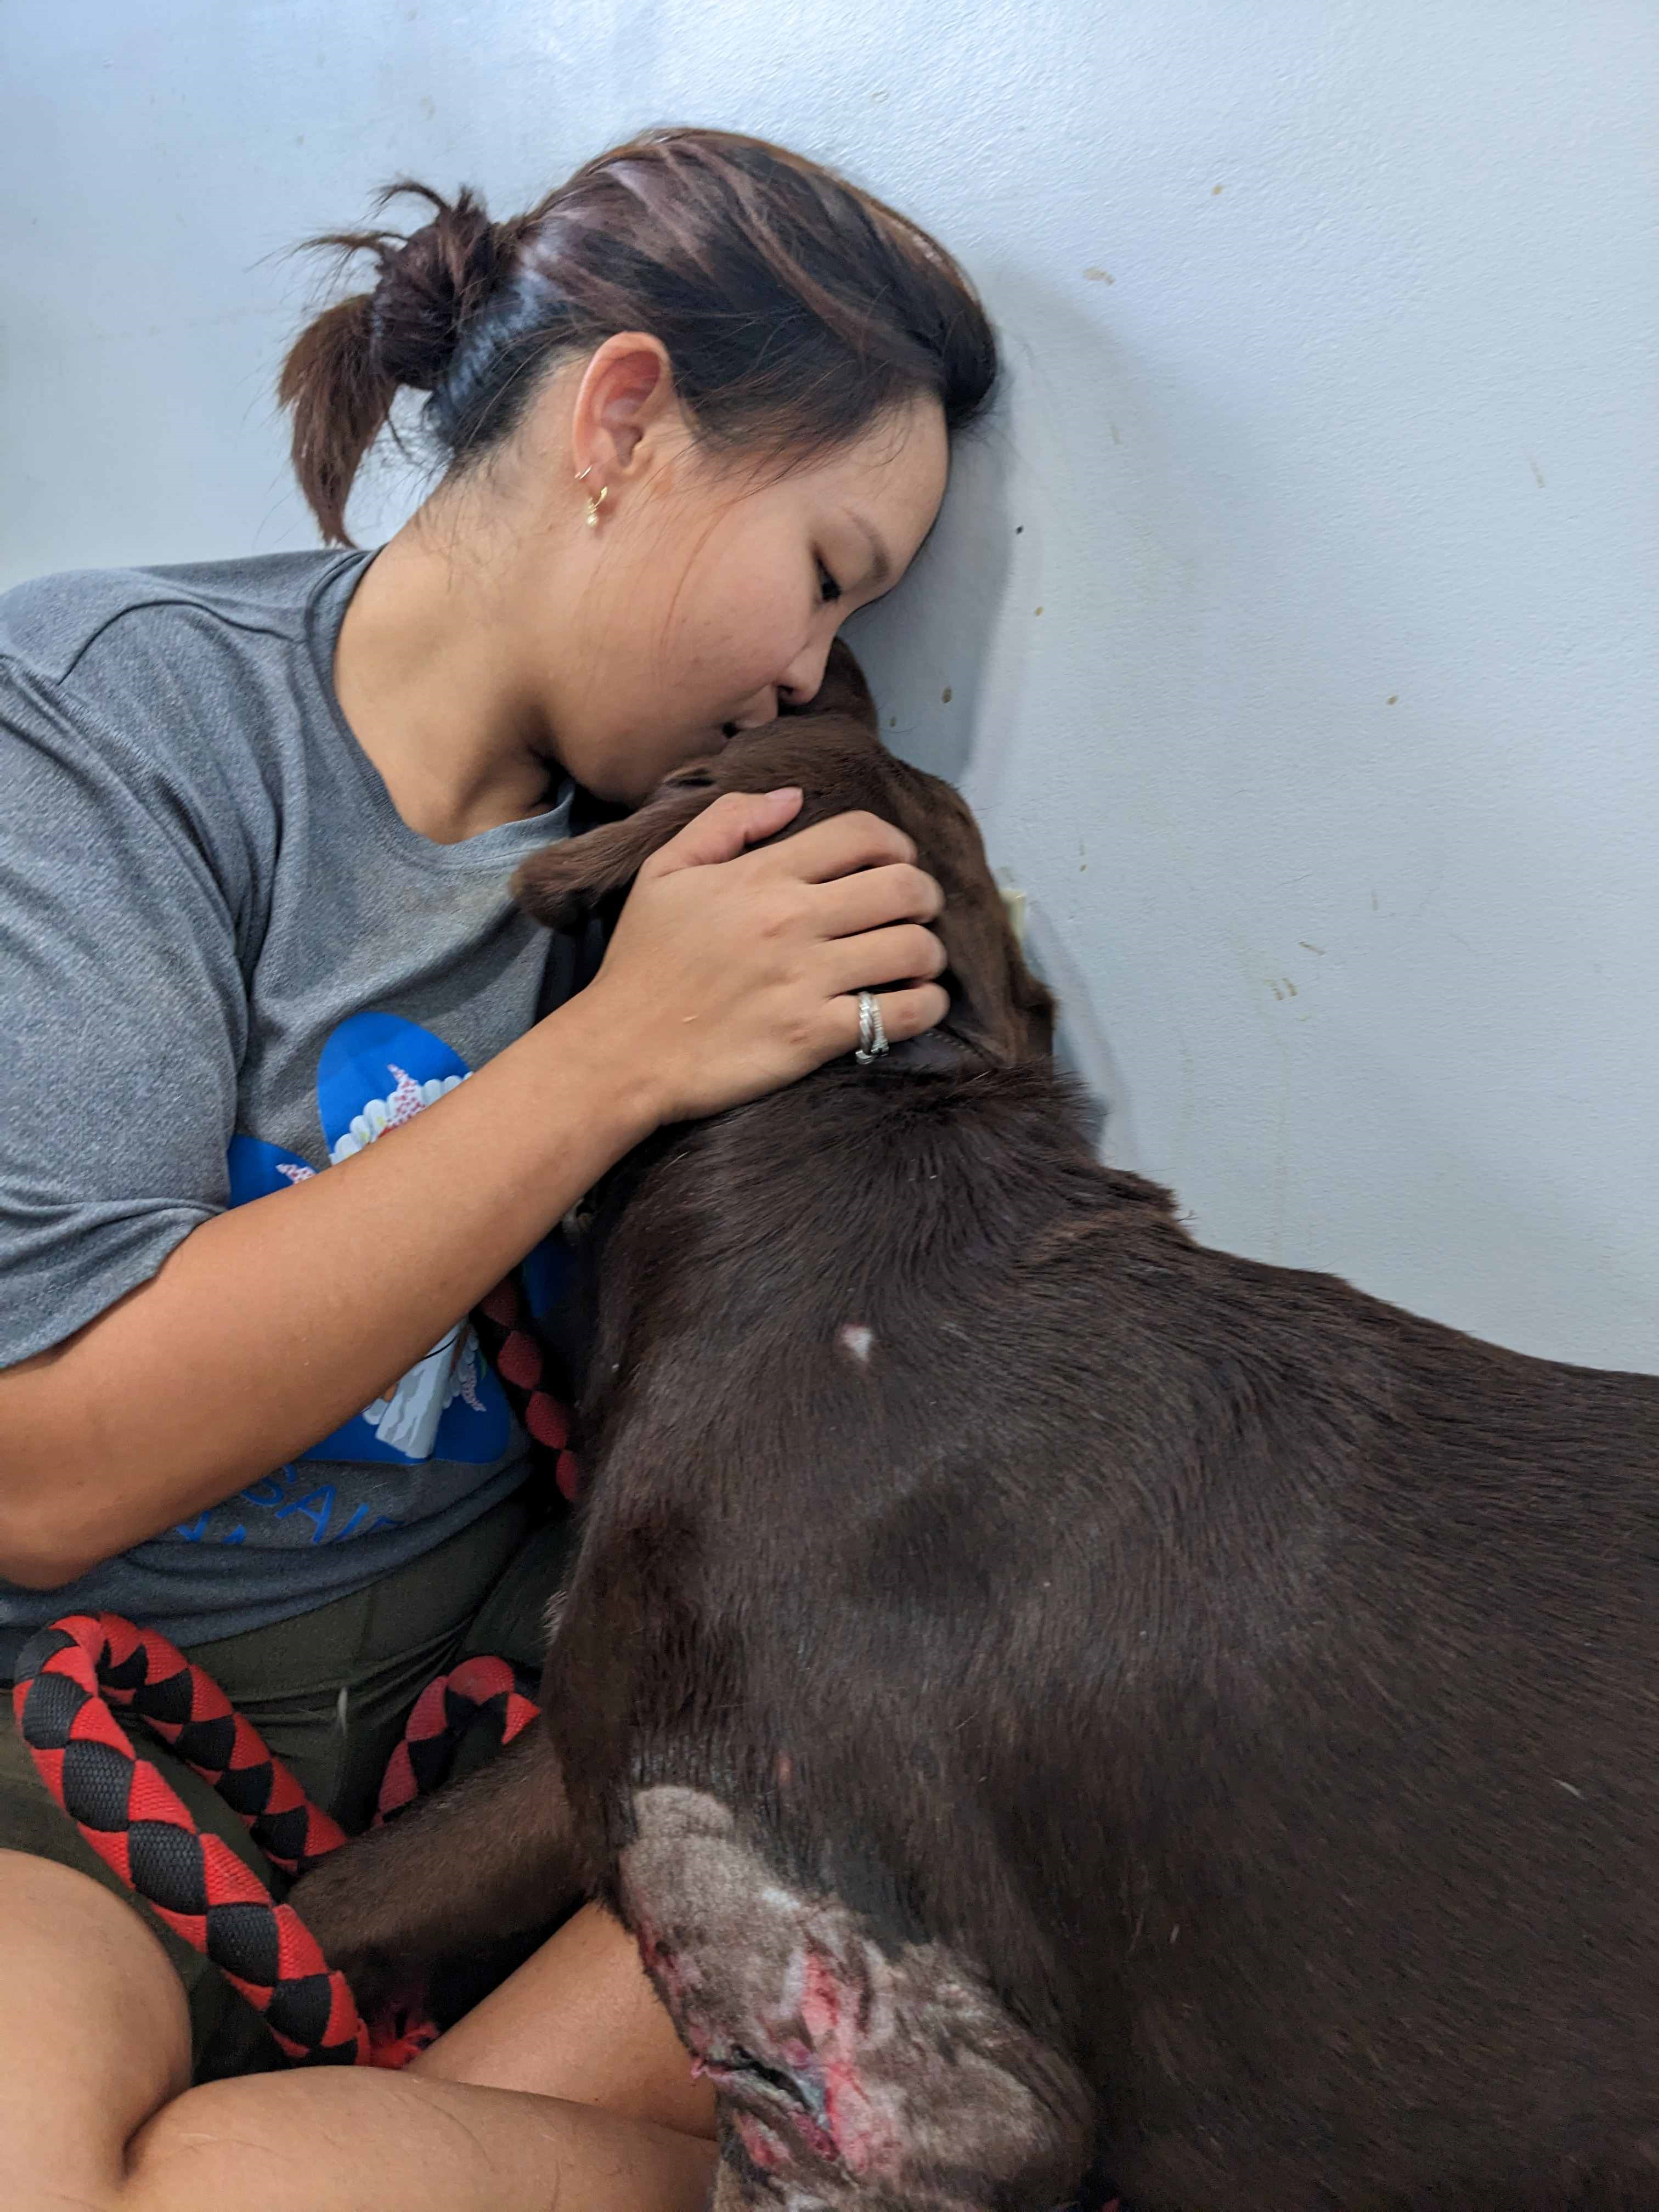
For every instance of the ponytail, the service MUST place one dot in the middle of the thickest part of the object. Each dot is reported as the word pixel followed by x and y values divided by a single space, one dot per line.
pixel 795 308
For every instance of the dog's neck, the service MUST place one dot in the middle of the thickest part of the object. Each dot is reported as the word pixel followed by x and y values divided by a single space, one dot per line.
pixel 941 1051
pixel 851 1169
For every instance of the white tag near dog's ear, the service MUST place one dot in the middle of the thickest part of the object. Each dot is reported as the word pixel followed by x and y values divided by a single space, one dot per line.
pixel 1014 900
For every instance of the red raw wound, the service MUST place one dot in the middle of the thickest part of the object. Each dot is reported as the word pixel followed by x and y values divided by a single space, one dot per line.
pixel 764 2149
pixel 864 2136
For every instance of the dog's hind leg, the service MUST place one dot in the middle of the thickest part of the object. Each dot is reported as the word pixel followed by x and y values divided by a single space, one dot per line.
pixel 850 2072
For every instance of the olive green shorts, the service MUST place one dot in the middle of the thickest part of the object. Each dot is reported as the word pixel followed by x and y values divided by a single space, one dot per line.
pixel 330 1691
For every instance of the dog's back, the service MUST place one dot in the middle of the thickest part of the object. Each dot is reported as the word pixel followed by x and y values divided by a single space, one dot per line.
pixel 1382 1717
pixel 1035 1676
pixel 1257 1681
pixel 1032 1684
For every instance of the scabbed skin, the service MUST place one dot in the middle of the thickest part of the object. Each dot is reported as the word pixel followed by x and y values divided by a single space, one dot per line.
pixel 848 2072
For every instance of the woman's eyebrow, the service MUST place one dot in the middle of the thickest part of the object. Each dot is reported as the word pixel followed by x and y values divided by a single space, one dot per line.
pixel 880 567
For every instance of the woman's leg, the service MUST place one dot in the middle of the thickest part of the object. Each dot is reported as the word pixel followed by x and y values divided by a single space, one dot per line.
pixel 580 2021
pixel 343 2139
pixel 94 2051
pixel 94 2035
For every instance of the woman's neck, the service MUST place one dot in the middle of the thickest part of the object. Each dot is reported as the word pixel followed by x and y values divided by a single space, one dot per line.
pixel 425 674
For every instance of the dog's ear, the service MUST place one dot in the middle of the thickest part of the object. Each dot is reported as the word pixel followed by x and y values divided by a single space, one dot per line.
pixel 998 1007
pixel 562 884
pixel 997 1004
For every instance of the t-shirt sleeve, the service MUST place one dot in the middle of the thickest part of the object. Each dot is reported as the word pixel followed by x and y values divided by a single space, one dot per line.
pixel 122 1008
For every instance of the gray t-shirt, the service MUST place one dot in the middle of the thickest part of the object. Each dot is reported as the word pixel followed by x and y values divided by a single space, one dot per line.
pixel 226 962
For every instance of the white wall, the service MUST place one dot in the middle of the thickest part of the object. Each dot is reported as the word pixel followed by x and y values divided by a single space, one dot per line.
pixel 1298 615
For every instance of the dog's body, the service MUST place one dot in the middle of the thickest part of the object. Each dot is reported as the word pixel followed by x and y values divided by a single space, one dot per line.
pixel 1043 1691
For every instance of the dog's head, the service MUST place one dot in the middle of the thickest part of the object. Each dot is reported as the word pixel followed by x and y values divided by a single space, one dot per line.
pixel 1000 1013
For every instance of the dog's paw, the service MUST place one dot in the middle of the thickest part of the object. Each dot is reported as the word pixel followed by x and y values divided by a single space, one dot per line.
pixel 356 1938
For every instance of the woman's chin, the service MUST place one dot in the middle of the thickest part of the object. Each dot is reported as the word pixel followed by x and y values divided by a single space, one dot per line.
pixel 631 782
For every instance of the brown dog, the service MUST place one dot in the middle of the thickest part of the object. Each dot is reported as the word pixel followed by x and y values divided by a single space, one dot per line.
pixel 1042 1692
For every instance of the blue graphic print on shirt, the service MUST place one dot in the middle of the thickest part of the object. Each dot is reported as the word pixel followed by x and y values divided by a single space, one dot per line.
pixel 377 1071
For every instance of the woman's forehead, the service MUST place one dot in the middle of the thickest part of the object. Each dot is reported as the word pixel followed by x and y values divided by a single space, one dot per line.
pixel 888 484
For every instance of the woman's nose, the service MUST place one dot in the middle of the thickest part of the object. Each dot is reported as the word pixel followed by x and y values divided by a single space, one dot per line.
pixel 803 677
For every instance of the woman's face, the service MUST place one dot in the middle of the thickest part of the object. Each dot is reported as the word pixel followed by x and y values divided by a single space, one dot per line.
pixel 705 595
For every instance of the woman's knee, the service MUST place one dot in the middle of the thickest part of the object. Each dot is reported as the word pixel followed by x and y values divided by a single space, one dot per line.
pixel 95 2033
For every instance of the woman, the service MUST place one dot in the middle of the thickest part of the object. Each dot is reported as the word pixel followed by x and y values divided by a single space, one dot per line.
pixel 260 817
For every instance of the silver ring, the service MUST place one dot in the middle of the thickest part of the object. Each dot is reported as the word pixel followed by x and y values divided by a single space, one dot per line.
pixel 872 1037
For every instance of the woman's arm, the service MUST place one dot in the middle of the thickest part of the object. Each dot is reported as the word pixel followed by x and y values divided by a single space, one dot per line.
pixel 271 1324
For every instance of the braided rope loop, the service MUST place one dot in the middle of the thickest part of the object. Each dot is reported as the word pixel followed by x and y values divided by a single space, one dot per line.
pixel 67 1676
pixel 70 1677
pixel 72 1673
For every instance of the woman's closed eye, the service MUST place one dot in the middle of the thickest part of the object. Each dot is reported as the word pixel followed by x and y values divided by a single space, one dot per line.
pixel 830 588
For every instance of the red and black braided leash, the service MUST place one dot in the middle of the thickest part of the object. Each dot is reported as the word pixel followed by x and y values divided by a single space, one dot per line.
pixel 72 1674
pixel 69 1676
pixel 519 1357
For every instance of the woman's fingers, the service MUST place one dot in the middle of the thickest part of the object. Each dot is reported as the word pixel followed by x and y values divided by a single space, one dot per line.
pixel 904 1013
pixel 837 846
pixel 906 954
pixel 736 820
pixel 875 897
pixel 729 969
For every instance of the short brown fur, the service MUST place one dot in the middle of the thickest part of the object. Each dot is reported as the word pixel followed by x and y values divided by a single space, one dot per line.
pixel 1252 1683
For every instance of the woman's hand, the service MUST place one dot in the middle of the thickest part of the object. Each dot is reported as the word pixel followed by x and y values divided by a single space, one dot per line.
pixel 730 972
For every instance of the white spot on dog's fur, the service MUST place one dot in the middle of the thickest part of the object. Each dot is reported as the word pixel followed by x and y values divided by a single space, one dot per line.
pixel 856 1340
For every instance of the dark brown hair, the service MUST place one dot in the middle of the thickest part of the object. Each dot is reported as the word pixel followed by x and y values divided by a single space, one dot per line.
pixel 795 308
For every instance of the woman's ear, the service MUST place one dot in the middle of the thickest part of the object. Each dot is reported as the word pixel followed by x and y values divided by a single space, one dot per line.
pixel 563 883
